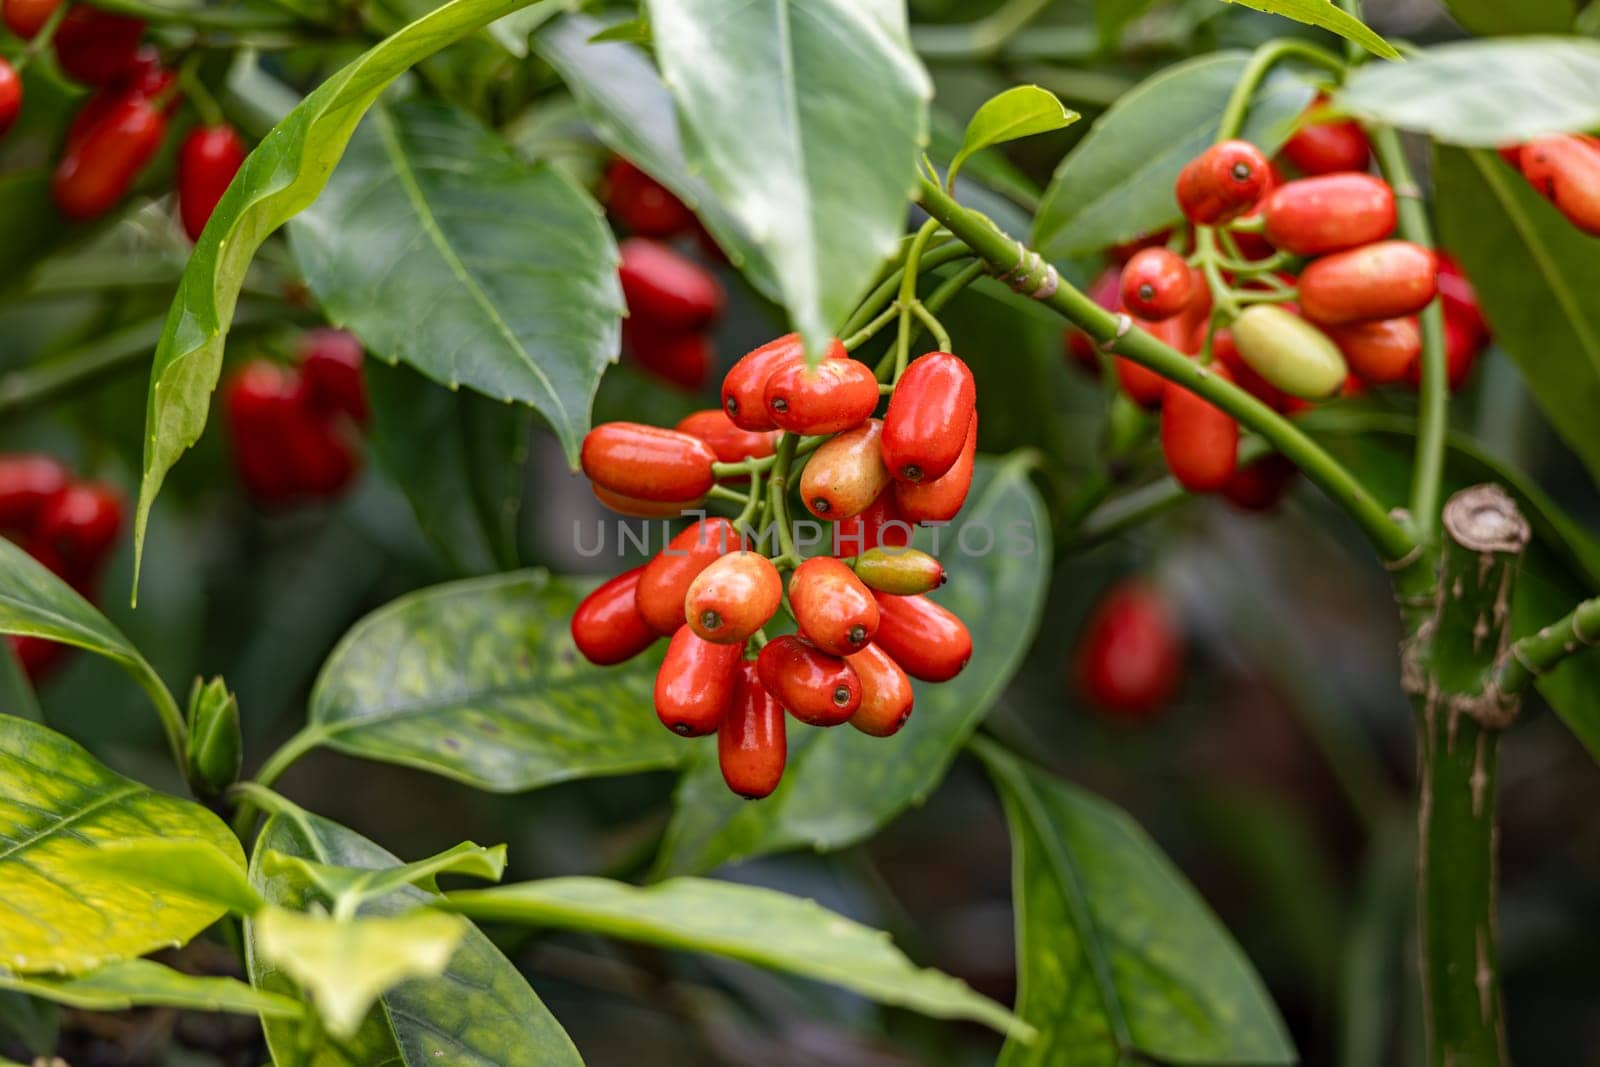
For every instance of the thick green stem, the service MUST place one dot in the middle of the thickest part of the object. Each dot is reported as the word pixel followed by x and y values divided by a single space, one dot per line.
pixel 1541 652
pixel 1029 274
pixel 308 738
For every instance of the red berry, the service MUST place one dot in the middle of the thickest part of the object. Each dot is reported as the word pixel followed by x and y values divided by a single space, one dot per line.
pixel 96 47
pixel 1461 348
pixel 1156 284
pixel 284 449
pixel 207 161
pixel 730 443
pixel 886 695
pixel 1380 352
pixel 925 638
pixel 816 688
pixel 80 524
pixel 1106 291
pixel 1130 656
pixel 1142 385
pixel 1314 216
pixel 880 525
pixel 1459 298
pixel 1223 182
pixel 682 357
pixel 1565 169
pixel 26 18
pixel 695 683
pixel 94 174
pixel 667 290
pixel 1386 280
pixel 644 205
pixel 666 578
pixel 1259 485
pixel 27 480
pixel 1199 440
pixel 10 96
pixel 330 364
pixel 833 609
pixel 1328 147
pixel 929 412
pixel 733 597
pixel 751 742
pixel 639 509
pixel 607 626
pixel 835 395
pixel 845 475
pixel 744 387
pixel 648 462
pixel 941 499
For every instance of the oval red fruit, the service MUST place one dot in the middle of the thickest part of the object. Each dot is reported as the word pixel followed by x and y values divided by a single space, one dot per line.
pixel 886 696
pixel 844 476
pixel 10 96
pixel 744 387
pixel 1200 441
pixel 1223 182
pixel 27 480
pixel 815 687
pixel 666 289
pixel 682 357
pixel 832 607
pixel 648 462
pixel 751 742
pixel 730 443
pixel 925 638
pixel 733 597
pixel 644 205
pixel 80 524
pixel 1156 284
pixel 641 509
pixel 26 18
pixel 330 363
pixel 607 626
pixel 1328 147
pixel 1315 216
pixel 1385 280
pixel 207 161
pixel 1380 352
pixel 96 47
pixel 1106 291
pixel 94 174
pixel 666 578
pixel 835 395
pixel 926 424
pixel 941 499
pixel 880 524
pixel 1565 169
pixel 695 683
pixel 1130 656
pixel 1260 484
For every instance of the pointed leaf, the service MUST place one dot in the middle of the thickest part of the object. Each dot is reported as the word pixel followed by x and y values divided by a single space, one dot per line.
pixel 145 983
pixel 748 923
pixel 196 870
pixel 1016 113
pixel 335 882
pixel 36 603
pixel 806 120
pixel 1325 14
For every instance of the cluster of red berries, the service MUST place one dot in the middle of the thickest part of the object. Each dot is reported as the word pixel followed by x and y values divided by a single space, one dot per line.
pixel 293 429
pixel 1130 655
pixel 122 125
pixel 673 301
pixel 1565 169
pixel 1292 289
pixel 864 624
pixel 68 525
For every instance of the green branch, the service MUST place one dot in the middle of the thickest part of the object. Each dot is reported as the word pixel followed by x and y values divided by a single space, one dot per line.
pixel 1540 653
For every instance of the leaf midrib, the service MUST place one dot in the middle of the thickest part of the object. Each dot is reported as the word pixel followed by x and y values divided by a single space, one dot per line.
pixel 61 824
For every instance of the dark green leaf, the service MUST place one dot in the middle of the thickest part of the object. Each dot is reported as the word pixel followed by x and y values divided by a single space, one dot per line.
pixel 36 603
pixel 1016 113
pixel 479 1011
pixel 479 681
pixel 1536 276
pixel 1325 14
pixel 622 97
pixel 805 120
pixel 1117 184
pixel 1492 18
pixel 59 809
pixel 748 923
pixel 30 1020
pixel 16 692
pixel 496 276
pixel 1483 93
pixel 840 784
pixel 1119 957
pixel 280 178
pixel 141 983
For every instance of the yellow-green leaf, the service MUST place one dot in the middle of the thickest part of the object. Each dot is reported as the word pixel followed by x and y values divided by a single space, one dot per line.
pixel 1325 14
pixel 1019 112
pixel 145 983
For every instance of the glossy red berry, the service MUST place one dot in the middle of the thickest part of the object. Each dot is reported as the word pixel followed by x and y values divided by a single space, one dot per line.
pixel 815 687
pixel 665 289
pixel 745 385
pixel 96 47
pixel 1200 441
pixel 1459 298
pixel 835 395
pixel 694 686
pixel 207 161
pixel 284 449
pixel 80 525
pixel 94 174
pixel 644 205
pixel 648 462
pixel 925 638
pixel 881 524
pixel 1223 182
pixel 900 571
pixel 1130 657
pixel 941 499
pixel 1328 147
pixel 639 509
pixel 929 413
pixel 1565 169
pixel 733 597
pixel 607 626
pixel 1386 280
pixel 1156 284
pixel 832 607
pixel 751 742
pixel 886 695
pixel 26 18
pixel 1105 291
pixel 10 96
pixel 682 357
pixel 330 364
pixel 27 480
pixel 1461 349
pixel 148 79
pixel 1315 216
pixel 844 476
pixel 1380 352
pixel 666 578
pixel 1142 385
pixel 730 443
pixel 1260 484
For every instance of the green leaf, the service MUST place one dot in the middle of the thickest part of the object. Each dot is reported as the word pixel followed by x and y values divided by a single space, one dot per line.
pixel 498 276
pixel 145 983
pixel 280 178
pixel 1326 15
pixel 31 1020
pixel 1493 18
pixel 458 457
pixel 1016 113
pixel 747 923
pixel 59 809
pixel 479 681
pixel 1483 93
pixel 1536 276
pixel 480 1011
pixel 805 120
pixel 630 31
pixel 622 97
pixel 841 785
pixel 36 603
pixel 1119 957
pixel 360 885
pixel 196 870
pixel 1117 184
pixel 16 692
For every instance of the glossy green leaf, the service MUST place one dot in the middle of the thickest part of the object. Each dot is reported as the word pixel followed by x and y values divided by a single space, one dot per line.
pixel 59 809
pixel 1326 15
pixel 280 178
pixel 145 983
pixel 1493 18
pixel 458 457
pixel 621 95
pixel 499 276
pixel 479 681
pixel 479 1013
pixel 1536 276
pixel 747 923
pixel 1119 958
pixel 1009 116
pixel 195 870
pixel 841 785
pixel 359 885
pixel 805 119
pixel 33 1021
pixel 1117 184
pixel 1483 93
pixel 36 603
pixel 16 692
